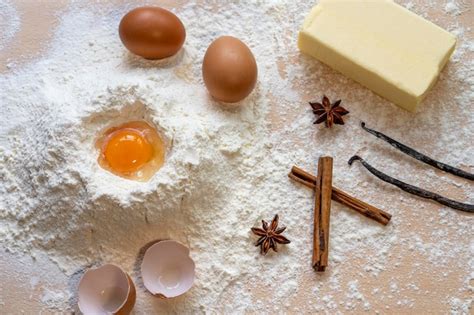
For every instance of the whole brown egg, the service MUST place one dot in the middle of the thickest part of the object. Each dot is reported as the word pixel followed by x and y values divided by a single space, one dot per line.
pixel 152 32
pixel 229 69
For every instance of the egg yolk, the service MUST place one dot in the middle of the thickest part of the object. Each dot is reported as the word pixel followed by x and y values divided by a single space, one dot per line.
pixel 127 151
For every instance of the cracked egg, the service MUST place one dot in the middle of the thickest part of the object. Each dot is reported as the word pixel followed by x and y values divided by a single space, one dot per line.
pixel 134 150
pixel 167 269
pixel 106 290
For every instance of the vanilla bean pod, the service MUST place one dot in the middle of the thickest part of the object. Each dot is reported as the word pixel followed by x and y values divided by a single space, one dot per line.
pixel 413 189
pixel 419 156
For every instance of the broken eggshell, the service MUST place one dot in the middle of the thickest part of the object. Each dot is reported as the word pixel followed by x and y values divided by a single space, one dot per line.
pixel 106 290
pixel 167 269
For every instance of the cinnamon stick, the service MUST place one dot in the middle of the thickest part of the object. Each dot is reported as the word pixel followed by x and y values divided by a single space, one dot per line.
pixel 322 210
pixel 340 196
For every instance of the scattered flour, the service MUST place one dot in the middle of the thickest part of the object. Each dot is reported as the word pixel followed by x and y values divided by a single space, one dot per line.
pixel 452 7
pixel 53 298
pixel 355 297
pixel 227 169
pixel 9 22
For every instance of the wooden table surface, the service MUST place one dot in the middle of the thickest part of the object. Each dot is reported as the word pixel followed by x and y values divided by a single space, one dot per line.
pixel 22 277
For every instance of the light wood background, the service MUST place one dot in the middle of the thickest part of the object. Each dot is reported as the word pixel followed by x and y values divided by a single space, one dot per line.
pixel 21 277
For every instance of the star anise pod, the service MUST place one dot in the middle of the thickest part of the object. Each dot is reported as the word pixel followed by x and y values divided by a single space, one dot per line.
pixel 329 113
pixel 270 235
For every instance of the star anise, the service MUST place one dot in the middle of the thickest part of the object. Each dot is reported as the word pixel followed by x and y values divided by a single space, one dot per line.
pixel 270 235
pixel 329 113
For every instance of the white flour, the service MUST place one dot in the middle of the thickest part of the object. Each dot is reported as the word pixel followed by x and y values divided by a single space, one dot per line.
pixel 226 170
pixel 9 22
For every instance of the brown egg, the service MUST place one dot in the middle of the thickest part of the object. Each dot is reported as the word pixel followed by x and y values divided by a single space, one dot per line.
pixel 229 69
pixel 152 32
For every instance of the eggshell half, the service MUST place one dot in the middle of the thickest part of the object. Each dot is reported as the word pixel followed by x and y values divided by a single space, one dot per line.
pixel 229 69
pixel 106 290
pixel 167 270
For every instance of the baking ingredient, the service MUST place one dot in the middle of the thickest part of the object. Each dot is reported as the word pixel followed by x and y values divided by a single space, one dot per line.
pixel 167 269
pixel 340 196
pixel 328 113
pixel 270 236
pixel 224 171
pixel 152 32
pixel 106 290
pixel 133 150
pixel 379 44
pixel 322 213
pixel 419 156
pixel 413 189
pixel 9 22
pixel 229 69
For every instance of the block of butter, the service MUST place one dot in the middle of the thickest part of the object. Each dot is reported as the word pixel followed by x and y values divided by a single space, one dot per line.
pixel 381 45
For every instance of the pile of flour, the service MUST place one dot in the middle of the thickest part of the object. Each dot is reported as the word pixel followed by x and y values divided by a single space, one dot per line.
pixel 225 169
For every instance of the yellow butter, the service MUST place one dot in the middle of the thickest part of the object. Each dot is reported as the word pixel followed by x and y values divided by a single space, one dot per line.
pixel 381 45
